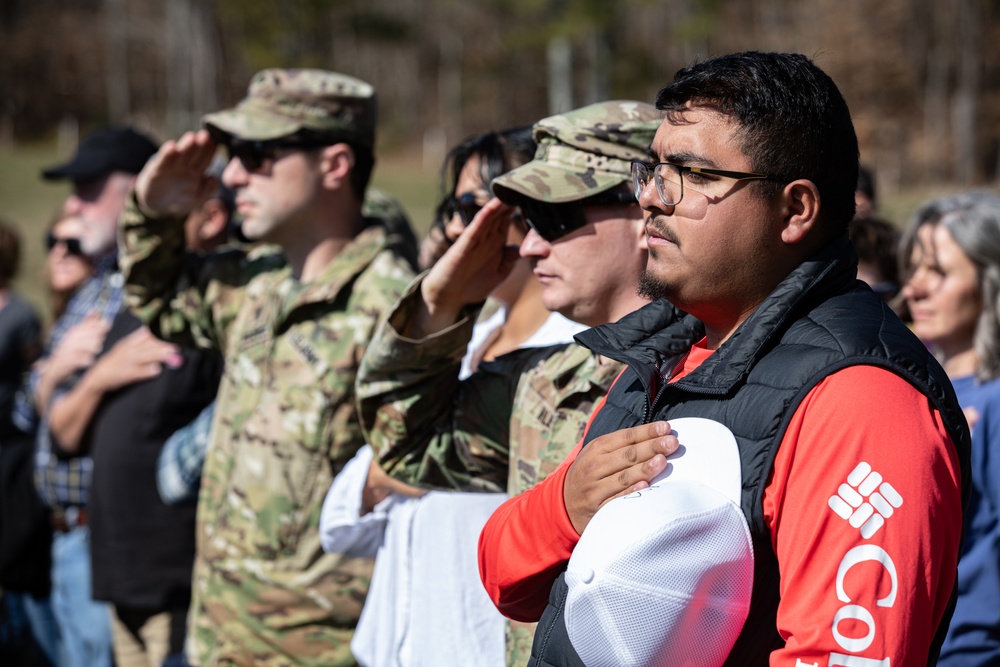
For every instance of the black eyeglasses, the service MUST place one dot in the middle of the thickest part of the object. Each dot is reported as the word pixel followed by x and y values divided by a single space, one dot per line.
pixel 72 245
pixel 553 221
pixel 465 206
pixel 253 154
pixel 670 179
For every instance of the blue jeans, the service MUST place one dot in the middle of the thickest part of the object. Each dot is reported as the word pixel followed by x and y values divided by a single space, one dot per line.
pixel 44 628
pixel 84 625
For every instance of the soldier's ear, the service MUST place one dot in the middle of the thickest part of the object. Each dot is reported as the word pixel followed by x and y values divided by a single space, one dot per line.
pixel 336 164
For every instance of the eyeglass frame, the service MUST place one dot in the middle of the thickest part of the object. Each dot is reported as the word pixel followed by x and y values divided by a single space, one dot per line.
pixel 652 169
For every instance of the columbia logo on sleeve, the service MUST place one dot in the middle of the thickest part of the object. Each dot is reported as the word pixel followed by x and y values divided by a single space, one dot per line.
pixel 866 500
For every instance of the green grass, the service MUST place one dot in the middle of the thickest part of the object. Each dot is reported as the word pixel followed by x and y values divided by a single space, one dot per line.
pixel 30 203
pixel 402 176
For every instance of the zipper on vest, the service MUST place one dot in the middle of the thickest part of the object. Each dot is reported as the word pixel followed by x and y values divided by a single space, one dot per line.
pixel 664 379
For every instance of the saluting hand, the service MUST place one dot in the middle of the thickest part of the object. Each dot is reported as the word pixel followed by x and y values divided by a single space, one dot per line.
pixel 173 182
pixel 478 261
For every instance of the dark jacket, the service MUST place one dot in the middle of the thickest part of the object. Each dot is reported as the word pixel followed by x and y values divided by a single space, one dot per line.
pixel 142 550
pixel 817 321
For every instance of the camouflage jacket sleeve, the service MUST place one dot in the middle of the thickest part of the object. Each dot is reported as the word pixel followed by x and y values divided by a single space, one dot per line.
pixel 426 426
pixel 552 403
pixel 183 297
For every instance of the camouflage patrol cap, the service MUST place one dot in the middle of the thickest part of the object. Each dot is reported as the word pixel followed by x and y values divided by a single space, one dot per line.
pixel 582 153
pixel 280 102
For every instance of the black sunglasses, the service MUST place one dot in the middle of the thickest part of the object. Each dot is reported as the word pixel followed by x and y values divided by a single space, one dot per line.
pixel 253 154
pixel 553 221
pixel 465 206
pixel 72 245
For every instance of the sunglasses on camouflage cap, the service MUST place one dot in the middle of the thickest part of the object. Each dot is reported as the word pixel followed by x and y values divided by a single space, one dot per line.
pixel 553 221
pixel 253 153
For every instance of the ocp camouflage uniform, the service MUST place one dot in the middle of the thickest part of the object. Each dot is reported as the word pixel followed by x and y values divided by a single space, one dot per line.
pixel 505 428
pixel 285 424
pixel 512 422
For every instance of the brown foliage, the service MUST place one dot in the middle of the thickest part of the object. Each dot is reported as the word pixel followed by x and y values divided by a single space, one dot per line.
pixel 922 76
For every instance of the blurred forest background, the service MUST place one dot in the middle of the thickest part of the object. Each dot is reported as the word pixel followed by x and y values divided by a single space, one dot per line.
pixel 922 77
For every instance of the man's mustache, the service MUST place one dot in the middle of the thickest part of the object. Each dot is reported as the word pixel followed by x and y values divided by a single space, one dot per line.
pixel 661 230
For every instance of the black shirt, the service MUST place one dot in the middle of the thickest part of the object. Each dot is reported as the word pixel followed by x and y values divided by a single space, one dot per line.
pixel 142 550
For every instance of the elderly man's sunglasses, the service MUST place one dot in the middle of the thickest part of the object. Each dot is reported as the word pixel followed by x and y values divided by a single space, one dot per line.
pixel 72 245
pixel 553 221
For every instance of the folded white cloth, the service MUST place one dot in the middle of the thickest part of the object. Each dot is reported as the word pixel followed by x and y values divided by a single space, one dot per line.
pixel 426 604
pixel 342 529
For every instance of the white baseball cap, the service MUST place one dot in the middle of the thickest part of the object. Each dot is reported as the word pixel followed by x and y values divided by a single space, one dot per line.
pixel 664 576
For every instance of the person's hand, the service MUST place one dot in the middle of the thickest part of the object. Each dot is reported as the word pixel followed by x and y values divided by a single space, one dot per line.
pixel 138 356
pixel 173 182
pixel 471 268
pixel 78 348
pixel 433 246
pixel 378 486
pixel 614 465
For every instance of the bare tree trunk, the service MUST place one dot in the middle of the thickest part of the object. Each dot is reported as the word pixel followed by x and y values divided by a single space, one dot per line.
pixel 598 59
pixel 452 50
pixel 205 57
pixel 967 89
pixel 116 63
pixel 6 133
pixel 344 47
pixel 404 61
pixel 936 108
pixel 178 63
pixel 191 64
pixel 559 56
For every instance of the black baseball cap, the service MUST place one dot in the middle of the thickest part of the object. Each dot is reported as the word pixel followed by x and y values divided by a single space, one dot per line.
pixel 105 151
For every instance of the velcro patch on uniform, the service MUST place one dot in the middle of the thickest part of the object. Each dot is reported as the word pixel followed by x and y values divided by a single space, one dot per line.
pixel 308 352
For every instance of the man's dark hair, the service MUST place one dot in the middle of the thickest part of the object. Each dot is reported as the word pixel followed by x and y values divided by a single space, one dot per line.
pixel 795 123
pixel 866 183
pixel 364 158
pixel 877 242
pixel 364 163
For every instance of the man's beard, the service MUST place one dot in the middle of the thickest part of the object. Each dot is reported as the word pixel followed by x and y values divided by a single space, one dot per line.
pixel 651 287
pixel 101 241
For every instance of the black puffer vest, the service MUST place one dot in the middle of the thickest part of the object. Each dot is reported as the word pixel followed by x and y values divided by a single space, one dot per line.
pixel 817 321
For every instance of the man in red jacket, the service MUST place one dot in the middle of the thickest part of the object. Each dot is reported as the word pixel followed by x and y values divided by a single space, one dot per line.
pixel 852 449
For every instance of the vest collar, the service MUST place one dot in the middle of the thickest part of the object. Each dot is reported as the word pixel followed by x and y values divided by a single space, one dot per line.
pixel 656 336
